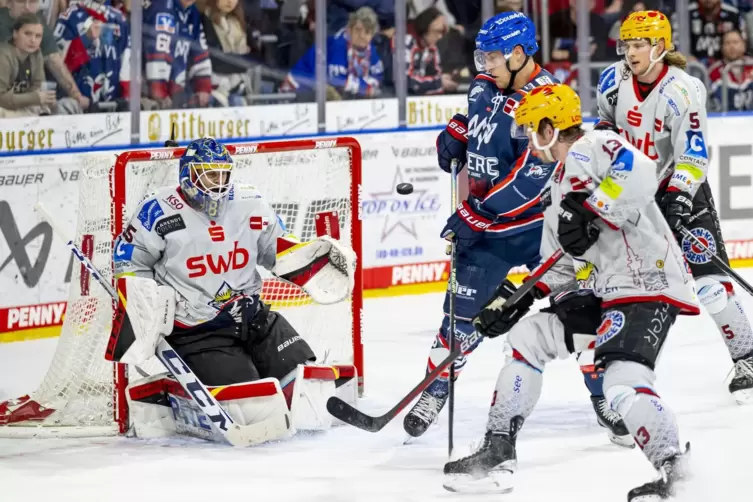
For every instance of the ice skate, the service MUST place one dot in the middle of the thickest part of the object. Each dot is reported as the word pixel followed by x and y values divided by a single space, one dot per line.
pixel 488 470
pixel 741 386
pixel 671 471
pixel 426 410
pixel 612 422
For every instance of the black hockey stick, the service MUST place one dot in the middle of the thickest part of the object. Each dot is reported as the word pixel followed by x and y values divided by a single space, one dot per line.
pixel 350 415
pixel 453 296
pixel 717 260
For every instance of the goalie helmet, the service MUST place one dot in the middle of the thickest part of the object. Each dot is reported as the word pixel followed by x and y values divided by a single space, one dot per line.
pixel 204 176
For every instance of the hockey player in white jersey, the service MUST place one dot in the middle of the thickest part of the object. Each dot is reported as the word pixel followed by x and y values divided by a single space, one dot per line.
pixel 661 110
pixel 199 244
pixel 602 213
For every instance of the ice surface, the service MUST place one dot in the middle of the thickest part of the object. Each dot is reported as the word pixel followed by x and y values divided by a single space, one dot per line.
pixel 563 454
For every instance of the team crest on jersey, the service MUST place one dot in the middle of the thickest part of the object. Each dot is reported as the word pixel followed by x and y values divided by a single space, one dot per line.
pixel 537 172
pixel 693 252
pixel 611 323
pixel 223 295
pixel 585 274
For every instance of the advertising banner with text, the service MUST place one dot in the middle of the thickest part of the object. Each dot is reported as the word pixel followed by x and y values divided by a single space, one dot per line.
pixel 401 244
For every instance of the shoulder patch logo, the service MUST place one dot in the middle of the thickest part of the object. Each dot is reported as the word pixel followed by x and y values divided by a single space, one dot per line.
pixel 149 214
pixel 473 95
pixel 607 79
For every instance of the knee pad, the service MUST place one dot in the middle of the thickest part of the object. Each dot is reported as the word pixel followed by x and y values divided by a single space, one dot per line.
pixel 712 294
pixel 535 339
pixel 623 381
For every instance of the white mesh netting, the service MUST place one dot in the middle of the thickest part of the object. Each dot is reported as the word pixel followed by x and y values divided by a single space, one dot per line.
pixel 80 385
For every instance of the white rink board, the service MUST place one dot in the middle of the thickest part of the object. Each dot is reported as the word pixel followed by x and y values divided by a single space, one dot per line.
pixel 564 456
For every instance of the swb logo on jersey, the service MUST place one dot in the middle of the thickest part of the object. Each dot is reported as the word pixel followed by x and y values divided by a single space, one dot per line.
pixel 235 259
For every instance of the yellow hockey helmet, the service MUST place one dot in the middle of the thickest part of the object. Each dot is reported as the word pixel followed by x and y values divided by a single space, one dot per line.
pixel 557 102
pixel 650 24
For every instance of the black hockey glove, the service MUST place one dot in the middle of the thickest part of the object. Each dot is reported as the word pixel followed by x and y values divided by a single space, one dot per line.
pixel 677 207
pixel 576 231
pixel 493 320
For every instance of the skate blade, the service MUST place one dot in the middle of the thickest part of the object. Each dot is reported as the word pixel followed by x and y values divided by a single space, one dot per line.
pixel 743 397
pixel 647 498
pixel 496 482
pixel 624 441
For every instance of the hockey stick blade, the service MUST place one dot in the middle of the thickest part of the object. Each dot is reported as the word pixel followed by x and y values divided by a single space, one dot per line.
pixel 355 417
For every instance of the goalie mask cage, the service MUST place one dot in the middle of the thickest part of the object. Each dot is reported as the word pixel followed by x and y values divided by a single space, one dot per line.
pixel 82 394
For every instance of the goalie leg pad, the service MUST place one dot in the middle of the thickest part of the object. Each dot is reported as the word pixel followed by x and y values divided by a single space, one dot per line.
pixel 145 311
pixel 313 386
pixel 149 407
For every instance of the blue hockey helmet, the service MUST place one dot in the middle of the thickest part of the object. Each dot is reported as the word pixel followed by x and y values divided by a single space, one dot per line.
pixel 502 33
pixel 204 175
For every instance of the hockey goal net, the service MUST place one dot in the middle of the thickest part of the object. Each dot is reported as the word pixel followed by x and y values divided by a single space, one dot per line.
pixel 304 180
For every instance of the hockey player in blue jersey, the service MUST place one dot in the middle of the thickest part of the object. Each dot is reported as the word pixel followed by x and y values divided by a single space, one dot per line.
pixel 177 66
pixel 95 41
pixel 499 225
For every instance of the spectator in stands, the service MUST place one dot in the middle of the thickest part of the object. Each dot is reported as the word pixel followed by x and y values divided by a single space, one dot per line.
pixel 739 70
pixel 50 10
pixel 354 68
pixel 384 44
pixel 339 11
pixel 52 57
pixel 709 20
pixel 563 32
pixel 508 6
pixel 96 46
pixel 425 74
pixel 225 28
pixel 178 69
pixel 628 7
pixel 22 71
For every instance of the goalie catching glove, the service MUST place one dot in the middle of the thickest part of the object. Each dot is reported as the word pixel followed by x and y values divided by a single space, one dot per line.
pixel 324 268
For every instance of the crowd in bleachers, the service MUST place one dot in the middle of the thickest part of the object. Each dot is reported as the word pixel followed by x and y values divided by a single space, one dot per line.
pixel 73 56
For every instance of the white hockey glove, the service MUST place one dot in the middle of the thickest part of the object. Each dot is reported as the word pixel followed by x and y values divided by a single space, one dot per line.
pixel 324 268
pixel 149 312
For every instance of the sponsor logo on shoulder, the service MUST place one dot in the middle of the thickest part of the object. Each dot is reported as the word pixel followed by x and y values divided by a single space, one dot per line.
pixel 170 224
pixel 149 214
pixel 579 156
pixel 537 172
pixel 473 96
pixel 607 79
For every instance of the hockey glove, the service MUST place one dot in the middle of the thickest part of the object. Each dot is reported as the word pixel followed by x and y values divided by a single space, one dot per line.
pixel 452 143
pixel 604 125
pixel 494 320
pixel 467 225
pixel 576 230
pixel 677 207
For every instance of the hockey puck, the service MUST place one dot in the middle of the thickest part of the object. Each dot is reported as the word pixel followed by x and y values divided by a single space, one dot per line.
pixel 405 189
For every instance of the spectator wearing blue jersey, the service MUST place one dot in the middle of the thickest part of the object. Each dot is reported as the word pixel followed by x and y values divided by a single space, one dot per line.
pixel 339 12
pixel 354 68
pixel 95 41
pixel 739 76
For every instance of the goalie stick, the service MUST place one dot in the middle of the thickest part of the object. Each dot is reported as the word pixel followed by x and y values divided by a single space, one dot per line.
pixel 222 423
pixel 355 417
pixel 717 260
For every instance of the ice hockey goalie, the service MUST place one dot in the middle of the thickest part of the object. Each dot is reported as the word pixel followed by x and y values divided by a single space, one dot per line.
pixel 186 266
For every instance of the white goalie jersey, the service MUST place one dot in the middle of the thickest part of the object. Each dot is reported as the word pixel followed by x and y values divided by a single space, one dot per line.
pixel 669 126
pixel 636 258
pixel 207 262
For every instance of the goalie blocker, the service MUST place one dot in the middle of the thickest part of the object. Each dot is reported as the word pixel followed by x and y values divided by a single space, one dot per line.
pixel 252 355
